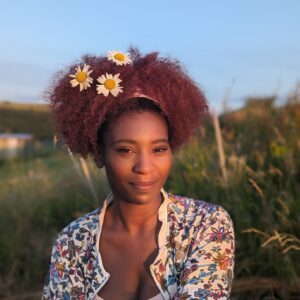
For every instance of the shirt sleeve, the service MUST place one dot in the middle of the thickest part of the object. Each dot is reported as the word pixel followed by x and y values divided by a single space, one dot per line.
pixel 64 279
pixel 208 269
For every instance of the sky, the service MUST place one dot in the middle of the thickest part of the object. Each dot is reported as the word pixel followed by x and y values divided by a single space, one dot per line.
pixel 233 49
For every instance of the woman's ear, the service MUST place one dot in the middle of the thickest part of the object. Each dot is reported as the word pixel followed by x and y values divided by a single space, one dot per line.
pixel 98 158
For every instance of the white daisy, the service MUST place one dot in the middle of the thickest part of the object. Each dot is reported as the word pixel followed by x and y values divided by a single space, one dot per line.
pixel 119 58
pixel 109 84
pixel 82 77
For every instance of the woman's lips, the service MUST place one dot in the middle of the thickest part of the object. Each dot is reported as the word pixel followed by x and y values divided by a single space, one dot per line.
pixel 142 185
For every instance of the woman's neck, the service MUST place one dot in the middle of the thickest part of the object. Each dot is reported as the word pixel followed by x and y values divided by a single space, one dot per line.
pixel 135 219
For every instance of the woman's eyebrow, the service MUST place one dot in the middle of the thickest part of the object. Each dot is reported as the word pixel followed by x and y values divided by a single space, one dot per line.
pixel 160 141
pixel 130 141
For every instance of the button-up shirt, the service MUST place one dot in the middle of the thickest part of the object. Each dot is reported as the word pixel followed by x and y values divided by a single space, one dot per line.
pixel 195 258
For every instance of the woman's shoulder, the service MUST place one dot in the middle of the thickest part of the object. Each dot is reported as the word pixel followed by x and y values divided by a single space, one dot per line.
pixel 80 229
pixel 190 208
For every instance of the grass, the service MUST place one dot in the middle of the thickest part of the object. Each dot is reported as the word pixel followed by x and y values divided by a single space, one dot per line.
pixel 38 198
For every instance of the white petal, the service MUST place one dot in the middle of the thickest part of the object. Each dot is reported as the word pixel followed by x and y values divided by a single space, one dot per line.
pixel 86 68
pixel 98 89
pixel 117 80
pixel 74 82
pixel 114 92
pixel 110 55
pixel 104 91
pixel 101 79
pixel 101 89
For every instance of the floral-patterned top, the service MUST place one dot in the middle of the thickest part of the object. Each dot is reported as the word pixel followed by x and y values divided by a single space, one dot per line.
pixel 195 259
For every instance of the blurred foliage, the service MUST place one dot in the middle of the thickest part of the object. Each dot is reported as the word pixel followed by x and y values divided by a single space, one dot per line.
pixel 40 195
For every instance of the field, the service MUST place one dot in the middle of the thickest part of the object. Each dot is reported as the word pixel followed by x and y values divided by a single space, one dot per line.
pixel 251 166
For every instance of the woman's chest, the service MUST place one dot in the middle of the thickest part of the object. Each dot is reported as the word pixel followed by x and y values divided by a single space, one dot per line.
pixel 128 263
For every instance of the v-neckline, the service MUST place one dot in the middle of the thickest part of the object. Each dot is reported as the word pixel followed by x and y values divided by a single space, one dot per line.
pixel 162 238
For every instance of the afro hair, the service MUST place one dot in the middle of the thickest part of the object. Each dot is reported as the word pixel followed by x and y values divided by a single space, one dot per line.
pixel 78 115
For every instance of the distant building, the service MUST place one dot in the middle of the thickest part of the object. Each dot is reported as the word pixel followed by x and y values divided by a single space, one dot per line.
pixel 14 140
pixel 12 144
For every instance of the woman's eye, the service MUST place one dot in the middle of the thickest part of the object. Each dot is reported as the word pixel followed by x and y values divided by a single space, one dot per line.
pixel 124 150
pixel 157 150
pixel 160 149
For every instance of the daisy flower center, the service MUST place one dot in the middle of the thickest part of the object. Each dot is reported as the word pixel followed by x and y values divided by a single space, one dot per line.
pixel 119 56
pixel 110 84
pixel 81 77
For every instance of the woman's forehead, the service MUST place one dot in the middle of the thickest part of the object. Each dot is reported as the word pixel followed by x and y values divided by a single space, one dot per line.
pixel 138 125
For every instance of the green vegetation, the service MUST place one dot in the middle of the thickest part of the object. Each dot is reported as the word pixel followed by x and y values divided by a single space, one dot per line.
pixel 258 185
pixel 261 191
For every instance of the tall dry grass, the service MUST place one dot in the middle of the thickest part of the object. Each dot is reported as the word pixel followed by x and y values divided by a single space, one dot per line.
pixel 260 153
pixel 38 197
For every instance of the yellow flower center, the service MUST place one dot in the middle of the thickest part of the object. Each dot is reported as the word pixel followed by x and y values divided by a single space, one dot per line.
pixel 81 77
pixel 110 84
pixel 119 56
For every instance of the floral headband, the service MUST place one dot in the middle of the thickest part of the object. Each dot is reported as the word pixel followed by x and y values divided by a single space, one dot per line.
pixel 108 83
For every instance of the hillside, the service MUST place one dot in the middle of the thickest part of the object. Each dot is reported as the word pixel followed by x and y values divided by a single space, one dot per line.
pixel 23 106
pixel 26 118
pixel 260 108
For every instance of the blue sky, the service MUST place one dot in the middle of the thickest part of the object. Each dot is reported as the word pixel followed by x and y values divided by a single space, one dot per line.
pixel 246 48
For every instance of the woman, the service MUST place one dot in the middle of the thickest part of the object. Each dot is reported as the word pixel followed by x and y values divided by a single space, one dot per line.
pixel 130 113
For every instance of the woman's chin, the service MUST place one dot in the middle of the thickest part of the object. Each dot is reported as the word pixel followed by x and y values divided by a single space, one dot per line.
pixel 138 195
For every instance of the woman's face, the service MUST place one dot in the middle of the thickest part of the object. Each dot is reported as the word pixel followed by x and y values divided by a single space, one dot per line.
pixel 137 156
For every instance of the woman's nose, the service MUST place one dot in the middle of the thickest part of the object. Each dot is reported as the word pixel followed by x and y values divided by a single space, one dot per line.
pixel 143 164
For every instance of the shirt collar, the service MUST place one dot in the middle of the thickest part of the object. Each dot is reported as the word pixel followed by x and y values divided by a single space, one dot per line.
pixel 162 217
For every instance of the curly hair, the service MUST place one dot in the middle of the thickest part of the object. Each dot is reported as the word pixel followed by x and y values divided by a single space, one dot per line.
pixel 79 115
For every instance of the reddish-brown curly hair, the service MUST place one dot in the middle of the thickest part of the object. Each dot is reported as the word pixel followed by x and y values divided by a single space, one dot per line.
pixel 79 115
